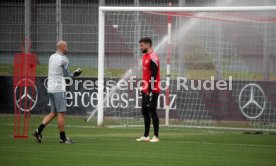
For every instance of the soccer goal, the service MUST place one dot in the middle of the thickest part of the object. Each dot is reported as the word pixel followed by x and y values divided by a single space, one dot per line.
pixel 218 65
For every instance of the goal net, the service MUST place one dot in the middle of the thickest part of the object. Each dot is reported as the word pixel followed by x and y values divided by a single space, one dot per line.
pixel 218 66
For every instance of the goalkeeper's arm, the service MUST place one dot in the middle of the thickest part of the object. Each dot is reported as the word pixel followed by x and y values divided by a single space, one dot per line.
pixel 148 96
pixel 65 65
pixel 154 71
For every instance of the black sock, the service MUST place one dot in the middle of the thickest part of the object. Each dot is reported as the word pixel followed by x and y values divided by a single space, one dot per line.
pixel 62 135
pixel 40 128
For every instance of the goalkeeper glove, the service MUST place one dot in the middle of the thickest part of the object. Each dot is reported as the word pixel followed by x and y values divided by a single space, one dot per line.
pixel 77 72
pixel 148 99
pixel 141 91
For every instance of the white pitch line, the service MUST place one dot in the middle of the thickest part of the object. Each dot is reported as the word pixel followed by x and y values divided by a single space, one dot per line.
pixel 51 125
pixel 170 128
pixel 227 144
pixel 183 142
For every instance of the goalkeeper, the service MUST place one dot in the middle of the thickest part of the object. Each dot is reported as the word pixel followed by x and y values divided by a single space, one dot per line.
pixel 150 89
pixel 57 70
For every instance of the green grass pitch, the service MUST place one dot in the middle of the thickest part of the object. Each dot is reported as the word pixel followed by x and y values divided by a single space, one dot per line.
pixel 117 146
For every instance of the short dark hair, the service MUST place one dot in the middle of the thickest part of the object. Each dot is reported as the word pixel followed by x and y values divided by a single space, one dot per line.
pixel 146 40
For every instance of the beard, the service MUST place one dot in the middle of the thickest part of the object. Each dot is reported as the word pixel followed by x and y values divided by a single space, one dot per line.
pixel 144 51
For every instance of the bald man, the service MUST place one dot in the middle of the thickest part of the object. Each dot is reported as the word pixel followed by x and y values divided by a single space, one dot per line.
pixel 57 70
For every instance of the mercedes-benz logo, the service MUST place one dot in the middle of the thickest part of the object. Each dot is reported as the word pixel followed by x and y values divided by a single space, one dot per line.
pixel 252 101
pixel 28 94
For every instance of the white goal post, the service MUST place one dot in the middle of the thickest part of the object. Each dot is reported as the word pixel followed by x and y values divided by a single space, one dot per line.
pixel 101 36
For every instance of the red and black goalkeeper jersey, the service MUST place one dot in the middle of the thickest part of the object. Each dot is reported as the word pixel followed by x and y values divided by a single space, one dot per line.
pixel 151 71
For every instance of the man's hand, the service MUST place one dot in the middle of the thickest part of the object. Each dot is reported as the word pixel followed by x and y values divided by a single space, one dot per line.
pixel 77 72
pixel 141 91
pixel 148 98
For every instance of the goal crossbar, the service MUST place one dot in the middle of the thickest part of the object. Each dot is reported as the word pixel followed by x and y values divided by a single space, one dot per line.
pixel 190 9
